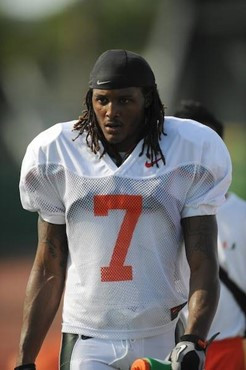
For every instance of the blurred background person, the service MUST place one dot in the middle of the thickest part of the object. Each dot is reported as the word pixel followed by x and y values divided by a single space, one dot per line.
pixel 228 351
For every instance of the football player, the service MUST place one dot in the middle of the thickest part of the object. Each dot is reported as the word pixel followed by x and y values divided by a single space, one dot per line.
pixel 117 192
pixel 228 350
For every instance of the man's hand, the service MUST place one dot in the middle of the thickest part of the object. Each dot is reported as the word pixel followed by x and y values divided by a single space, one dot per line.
pixel 189 353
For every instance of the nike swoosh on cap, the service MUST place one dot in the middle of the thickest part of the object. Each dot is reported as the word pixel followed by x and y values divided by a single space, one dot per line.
pixel 150 164
pixel 102 82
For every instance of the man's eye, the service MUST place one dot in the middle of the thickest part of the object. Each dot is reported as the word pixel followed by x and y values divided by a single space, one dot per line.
pixel 124 100
pixel 101 100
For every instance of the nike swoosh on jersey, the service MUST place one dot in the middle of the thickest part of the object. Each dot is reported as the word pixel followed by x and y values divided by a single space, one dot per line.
pixel 102 82
pixel 150 164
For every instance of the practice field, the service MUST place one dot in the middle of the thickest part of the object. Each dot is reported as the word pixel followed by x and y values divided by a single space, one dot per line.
pixel 13 279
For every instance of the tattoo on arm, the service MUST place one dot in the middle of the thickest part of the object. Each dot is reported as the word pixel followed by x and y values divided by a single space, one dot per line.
pixel 51 248
pixel 55 239
pixel 200 234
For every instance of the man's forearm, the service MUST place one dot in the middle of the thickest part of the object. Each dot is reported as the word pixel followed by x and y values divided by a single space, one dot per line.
pixel 42 300
pixel 200 236
pixel 203 300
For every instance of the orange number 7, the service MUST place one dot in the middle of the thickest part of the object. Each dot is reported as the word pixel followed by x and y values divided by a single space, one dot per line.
pixel 116 271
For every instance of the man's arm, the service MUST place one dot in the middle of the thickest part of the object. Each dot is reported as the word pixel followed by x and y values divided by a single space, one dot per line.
pixel 200 235
pixel 44 289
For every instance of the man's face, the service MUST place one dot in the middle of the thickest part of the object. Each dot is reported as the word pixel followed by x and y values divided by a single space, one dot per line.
pixel 120 115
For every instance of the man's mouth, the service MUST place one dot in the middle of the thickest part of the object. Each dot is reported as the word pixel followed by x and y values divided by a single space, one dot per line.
pixel 113 125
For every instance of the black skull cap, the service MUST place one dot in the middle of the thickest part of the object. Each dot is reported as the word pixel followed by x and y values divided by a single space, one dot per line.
pixel 118 69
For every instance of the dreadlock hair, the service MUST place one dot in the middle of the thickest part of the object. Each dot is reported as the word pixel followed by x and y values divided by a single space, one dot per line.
pixel 153 127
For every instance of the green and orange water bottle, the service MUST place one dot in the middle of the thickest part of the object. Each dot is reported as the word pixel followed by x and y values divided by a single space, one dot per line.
pixel 148 363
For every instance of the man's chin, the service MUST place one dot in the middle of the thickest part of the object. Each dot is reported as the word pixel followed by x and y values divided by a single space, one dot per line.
pixel 113 139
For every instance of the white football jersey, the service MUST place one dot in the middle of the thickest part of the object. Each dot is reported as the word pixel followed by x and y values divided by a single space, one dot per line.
pixel 229 319
pixel 125 272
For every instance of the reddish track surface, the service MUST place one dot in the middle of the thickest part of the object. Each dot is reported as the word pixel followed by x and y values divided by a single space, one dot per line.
pixel 13 279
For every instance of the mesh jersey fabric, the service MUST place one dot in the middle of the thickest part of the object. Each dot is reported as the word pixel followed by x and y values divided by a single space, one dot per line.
pixel 125 267
pixel 229 319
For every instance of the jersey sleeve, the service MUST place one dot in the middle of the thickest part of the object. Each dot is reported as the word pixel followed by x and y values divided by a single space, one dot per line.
pixel 40 188
pixel 211 180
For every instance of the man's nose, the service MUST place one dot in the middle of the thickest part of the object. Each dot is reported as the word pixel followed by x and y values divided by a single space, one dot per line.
pixel 112 110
